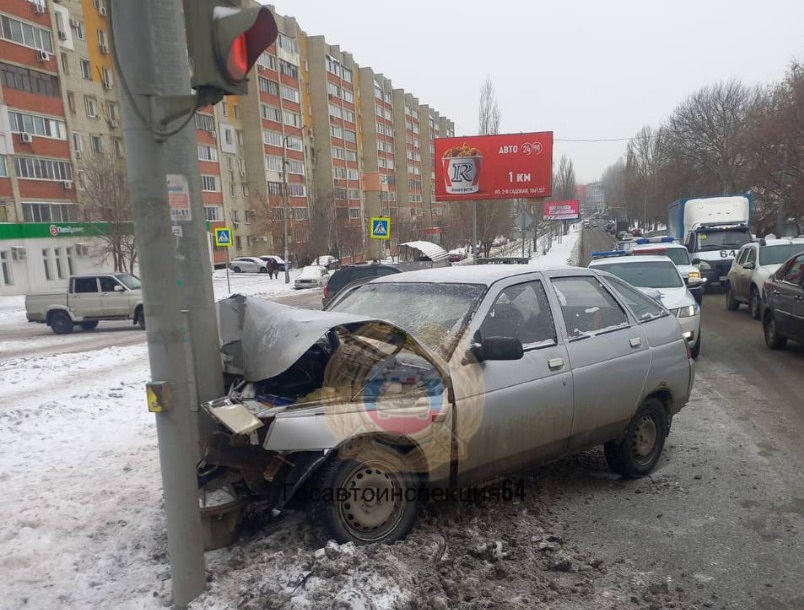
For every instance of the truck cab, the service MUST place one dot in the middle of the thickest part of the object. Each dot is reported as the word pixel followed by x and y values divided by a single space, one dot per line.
pixel 713 249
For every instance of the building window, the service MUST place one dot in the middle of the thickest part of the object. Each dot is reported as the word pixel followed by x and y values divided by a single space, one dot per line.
pixel 335 111
pixel 244 189
pixel 37 125
pixel 354 212
pixel 207 153
pixel 204 122
pixel 57 256
pixel 351 155
pixel 289 93
pixel 209 184
pixel 3 174
pixel 224 108
pixel 111 111
pixel 71 101
pixel 354 194
pixel 271 138
pixel 271 113
pixel 46 262
pixel 25 34
pixel 295 167
pixel 91 105
pixel 267 61
pixel 86 70
pixel 78 142
pixel 346 74
pixel 238 242
pixel 297 190
pixel 49 212
pixel 70 261
pixel 336 132
pixel 78 28
pixel 268 86
pixel 273 164
pixel 213 213
pixel 118 146
pixel 65 64
pixel 34 168
pixel 97 144
pixel 294 143
pixel 288 69
pixel 349 136
pixel 275 189
pixel 287 43
pixel 338 153
pixel 292 118
pixel 30 81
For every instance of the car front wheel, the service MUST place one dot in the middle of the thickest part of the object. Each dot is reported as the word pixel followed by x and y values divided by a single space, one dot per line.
pixel 639 450
pixel 365 494
pixel 695 350
pixel 61 323
pixel 754 304
pixel 772 338
pixel 732 304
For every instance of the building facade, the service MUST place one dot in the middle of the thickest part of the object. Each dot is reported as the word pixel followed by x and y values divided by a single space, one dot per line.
pixel 317 147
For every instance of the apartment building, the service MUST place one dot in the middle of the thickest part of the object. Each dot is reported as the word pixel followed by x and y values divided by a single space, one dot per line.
pixel 334 99
pixel 432 126
pixel 408 166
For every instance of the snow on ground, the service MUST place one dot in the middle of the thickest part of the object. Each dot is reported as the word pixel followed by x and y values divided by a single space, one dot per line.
pixel 81 515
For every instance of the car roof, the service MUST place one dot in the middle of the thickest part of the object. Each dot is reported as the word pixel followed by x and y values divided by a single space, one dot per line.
pixel 781 241
pixel 640 258
pixel 476 274
pixel 662 245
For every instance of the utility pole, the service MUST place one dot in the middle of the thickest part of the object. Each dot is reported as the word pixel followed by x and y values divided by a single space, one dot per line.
pixel 144 38
pixel 780 209
pixel 195 270
pixel 474 229
pixel 285 206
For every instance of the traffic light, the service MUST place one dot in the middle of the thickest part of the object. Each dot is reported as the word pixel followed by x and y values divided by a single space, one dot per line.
pixel 224 40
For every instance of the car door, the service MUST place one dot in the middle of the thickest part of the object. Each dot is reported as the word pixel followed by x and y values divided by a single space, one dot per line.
pixel 510 413
pixel 738 273
pixel 609 356
pixel 114 297
pixel 746 272
pixel 85 301
pixel 787 297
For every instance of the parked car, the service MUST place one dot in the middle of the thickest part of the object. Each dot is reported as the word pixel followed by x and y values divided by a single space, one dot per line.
pixel 89 298
pixel 752 266
pixel 328 261
pixel 434 379
pixel 280 262
pixel 783 304
pixel 678 253
pixel 248 264
pixel 659 273
pixel 346 275
pixel 312 276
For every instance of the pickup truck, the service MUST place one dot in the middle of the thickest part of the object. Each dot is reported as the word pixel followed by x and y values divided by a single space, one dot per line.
pixel 89 299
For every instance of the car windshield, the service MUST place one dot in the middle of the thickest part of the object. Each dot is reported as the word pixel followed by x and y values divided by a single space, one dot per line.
pixel 719 240
pixel 679 256
pixel 776 255
pixel 132 282
pixel 648 274
pixel 433 313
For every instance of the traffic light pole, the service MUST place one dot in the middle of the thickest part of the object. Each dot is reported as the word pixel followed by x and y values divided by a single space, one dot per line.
pixel 144 37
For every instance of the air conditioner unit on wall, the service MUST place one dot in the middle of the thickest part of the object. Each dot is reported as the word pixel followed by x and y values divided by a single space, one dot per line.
pixel 78 154
pixel 39 8
pixel 67 184
pixel 18 253
pixel 214 134
pixel 42 56
pixel 62 35
pixel 26 137
pixel 104 48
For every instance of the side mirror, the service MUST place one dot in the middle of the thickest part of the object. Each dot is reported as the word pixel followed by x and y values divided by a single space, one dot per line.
pixel 119 288
pixel 694 281
pixel 749 266
pixel 497 348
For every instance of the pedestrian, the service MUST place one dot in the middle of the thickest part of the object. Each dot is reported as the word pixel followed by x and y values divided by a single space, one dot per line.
pixel 270 265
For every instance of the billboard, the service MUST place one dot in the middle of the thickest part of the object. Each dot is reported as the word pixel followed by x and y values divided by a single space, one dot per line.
pixel 506 166
pixel 562 210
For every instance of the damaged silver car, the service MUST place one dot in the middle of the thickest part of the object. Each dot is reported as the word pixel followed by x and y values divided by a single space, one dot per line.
pixel 438 379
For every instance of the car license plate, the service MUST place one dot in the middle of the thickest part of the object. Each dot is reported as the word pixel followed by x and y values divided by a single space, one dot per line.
pixel 724 278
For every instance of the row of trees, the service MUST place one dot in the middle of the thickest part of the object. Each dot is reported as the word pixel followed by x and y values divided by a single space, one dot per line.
pixel 725 138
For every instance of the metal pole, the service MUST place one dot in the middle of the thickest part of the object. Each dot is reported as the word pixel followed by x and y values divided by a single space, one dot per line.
pixel 780 211
pixel 474 229
pixel 195 270
pixel 285 164
pixel 144 34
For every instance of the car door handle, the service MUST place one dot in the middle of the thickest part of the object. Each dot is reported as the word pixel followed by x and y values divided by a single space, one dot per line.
pixel 555 364
pixel 635 341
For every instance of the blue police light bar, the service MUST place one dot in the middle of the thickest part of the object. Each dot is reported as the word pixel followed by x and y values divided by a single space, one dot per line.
pixel 665 239
pixel 608 254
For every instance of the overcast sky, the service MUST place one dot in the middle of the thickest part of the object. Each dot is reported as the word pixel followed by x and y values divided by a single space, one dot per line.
pixel 587 69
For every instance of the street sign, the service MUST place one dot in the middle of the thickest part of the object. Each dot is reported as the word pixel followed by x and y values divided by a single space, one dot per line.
pixel 223 237
pixel 380 228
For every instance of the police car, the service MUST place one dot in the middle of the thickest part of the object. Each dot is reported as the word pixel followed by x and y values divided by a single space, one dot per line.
pixel 657 276
pixel 678 253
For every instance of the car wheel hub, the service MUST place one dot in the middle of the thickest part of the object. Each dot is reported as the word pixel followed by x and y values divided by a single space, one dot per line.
pixel 373 503
pixel 645 437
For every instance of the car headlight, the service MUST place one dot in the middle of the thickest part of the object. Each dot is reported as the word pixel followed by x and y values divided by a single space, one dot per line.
pixel 695 274
pixel 685 312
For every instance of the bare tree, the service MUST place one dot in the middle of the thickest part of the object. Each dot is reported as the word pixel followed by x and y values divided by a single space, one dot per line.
pixel 105 197
pixel 489 114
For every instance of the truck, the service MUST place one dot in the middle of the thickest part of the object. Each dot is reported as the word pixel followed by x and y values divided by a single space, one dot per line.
pixel 713 229
pixel 89 298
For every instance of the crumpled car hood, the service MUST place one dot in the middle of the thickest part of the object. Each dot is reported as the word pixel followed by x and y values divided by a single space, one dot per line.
pixel 261 339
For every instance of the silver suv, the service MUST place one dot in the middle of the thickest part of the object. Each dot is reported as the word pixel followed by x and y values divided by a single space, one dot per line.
pixel 422 382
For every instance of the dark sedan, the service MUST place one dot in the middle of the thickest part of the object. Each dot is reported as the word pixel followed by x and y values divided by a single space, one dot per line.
pixel 783 304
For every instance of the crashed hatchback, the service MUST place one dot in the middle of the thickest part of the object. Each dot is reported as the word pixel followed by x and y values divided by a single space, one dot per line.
pixel 438 379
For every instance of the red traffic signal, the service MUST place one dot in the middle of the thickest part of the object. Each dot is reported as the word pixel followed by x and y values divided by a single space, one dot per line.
pixel 224 42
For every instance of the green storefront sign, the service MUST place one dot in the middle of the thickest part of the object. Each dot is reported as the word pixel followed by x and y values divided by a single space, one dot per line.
pixel 34 230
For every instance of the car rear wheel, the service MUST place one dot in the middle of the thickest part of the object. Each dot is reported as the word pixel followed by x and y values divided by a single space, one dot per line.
pixel 772 338
pixel 89 324
pixel 755 304
pixel 640 449
pixel 365 494
pixel 236 269
pixel 61 323
pixel 263 270
pixel 732 304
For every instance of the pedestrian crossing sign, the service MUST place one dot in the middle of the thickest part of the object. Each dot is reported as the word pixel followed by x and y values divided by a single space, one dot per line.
pixel 380 228
pixel 223 237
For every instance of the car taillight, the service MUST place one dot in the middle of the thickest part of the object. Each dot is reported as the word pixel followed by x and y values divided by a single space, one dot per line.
pixel 326 292
pixel 689 351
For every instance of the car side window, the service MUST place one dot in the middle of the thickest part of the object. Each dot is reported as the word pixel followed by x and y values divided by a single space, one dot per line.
pixel 86 284
pixel 743 254
pixel 523 312
pixel 795 272
pixel 644 307
pixel 752 256
pixel 587 306
pixel 108 284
